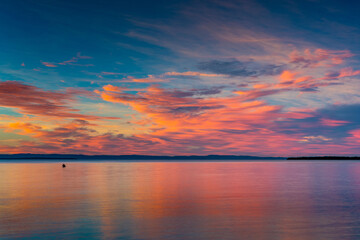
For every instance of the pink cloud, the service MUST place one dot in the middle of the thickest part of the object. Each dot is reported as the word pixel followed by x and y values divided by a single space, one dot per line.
pixel 48 64
pixel 319 57
pixel 186 121
pixel 345 72
pixel 189 73
pixel 332 122
pixel 72 61
pixel 32 100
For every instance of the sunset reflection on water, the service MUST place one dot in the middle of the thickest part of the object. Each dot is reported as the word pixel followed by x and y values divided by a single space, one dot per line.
pixel 180 200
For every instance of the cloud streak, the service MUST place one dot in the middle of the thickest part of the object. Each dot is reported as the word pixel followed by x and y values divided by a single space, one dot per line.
pixel 73 61
pixel 28 99
pixel 235 68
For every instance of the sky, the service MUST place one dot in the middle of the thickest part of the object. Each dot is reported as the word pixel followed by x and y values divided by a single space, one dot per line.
pixel 189 77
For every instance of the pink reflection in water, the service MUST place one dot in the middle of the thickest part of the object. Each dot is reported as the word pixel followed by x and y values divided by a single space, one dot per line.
pixel 180 200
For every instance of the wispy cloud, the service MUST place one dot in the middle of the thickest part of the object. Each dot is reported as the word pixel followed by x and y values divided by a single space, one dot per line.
pixel 190 73
pixel 319 57
pixel 234 67
pixel 73 61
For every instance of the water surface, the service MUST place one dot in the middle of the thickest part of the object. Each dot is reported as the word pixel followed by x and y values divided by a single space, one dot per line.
pixel 180 200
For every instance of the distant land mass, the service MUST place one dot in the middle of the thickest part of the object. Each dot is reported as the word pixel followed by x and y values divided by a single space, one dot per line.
pixel 30 156
pixel 325 158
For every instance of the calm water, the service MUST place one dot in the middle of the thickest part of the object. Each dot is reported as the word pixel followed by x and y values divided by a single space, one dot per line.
pixel 180 200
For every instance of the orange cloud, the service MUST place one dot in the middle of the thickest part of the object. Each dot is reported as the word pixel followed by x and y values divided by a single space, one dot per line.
pixel 112 88
pixel 234 118
pixel 287 76
pixel 149 79
pixel 25 128
pixel 238 120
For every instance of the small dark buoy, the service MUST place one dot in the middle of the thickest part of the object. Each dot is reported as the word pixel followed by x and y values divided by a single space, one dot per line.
pixel 63 165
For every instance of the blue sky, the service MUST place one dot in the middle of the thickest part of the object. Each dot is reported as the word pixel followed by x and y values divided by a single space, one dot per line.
pixel 179 77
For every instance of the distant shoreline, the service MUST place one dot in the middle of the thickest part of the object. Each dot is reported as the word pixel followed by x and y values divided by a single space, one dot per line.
pixel 80 157
pixel 129 157
pixel 324 158
pixel 35 158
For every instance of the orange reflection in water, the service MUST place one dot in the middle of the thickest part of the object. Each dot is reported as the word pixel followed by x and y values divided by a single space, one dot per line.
pixel 179 200
pixel 226 193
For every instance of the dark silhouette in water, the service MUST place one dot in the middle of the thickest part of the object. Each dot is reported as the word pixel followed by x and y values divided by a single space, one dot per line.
pixel 63 165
